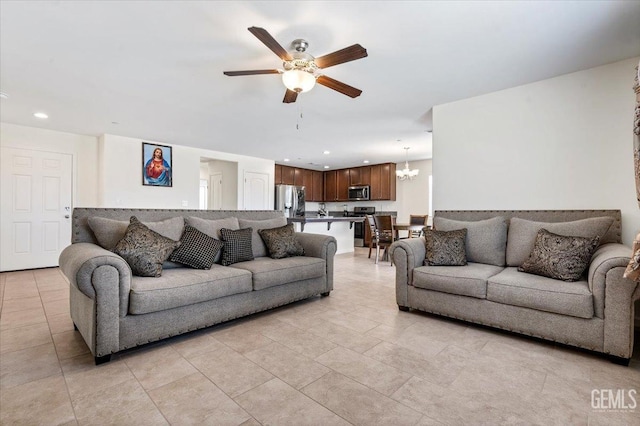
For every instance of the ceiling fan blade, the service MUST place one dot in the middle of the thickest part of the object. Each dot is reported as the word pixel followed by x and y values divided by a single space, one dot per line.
pixel 290 96
pixel 250 72
pixel 270 42
pixel 347 54
pixel 338 86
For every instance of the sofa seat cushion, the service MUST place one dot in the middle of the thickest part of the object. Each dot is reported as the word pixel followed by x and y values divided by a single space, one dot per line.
pixel 185 286
pixel 269 272
pixel 469 280
pixel 515 288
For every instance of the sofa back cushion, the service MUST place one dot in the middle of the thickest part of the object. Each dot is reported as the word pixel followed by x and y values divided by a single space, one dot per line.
pixel 522 234
pixel 212 228
pixel 486 240
pixel 109 231
pixel 259 248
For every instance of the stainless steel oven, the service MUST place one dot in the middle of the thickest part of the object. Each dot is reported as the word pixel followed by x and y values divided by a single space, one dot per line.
pixel 359 228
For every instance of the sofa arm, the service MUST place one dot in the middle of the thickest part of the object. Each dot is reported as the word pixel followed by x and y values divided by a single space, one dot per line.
pixel 407 255
pixel 97 272
pixel 605 258
pixel 614 297
pixel 322 246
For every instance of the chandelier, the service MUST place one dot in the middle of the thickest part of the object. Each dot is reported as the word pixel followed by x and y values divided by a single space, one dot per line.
pixel 407 173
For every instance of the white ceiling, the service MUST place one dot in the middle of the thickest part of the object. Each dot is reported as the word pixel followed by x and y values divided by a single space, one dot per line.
pixel 155 68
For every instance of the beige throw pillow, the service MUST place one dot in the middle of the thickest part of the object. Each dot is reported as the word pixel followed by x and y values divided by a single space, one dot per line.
pixel 560 257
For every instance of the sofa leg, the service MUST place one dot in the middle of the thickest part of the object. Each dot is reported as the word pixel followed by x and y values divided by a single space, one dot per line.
pixel 403 308
pixel 620 361
pixel 325 294
pixel 102 359
pixel 75 327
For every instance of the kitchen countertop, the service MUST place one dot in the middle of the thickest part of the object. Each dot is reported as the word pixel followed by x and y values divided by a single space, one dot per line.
pixel 328 219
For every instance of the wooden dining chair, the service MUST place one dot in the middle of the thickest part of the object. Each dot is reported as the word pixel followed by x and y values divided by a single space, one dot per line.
pixel 372 231
pixel 385 235
pixel 415 219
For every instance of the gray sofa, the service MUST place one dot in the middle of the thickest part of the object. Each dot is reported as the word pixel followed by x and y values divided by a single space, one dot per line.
pixel 595 313
pixel 114 310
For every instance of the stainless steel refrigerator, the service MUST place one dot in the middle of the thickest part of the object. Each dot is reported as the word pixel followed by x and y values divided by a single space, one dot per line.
pixel 290 199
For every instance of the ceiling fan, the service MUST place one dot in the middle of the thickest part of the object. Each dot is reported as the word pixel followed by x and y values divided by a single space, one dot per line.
pixel 301 70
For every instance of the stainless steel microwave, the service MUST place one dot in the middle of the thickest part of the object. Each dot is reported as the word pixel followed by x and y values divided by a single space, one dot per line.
pixel 359 193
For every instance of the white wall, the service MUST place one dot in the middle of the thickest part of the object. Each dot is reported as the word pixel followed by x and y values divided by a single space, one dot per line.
pixel 122 162
pixel 84 150
pixel 108 169
pixel 561 143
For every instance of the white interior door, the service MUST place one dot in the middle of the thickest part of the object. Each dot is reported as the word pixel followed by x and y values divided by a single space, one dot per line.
pixel 256 191
pixel 36 208
pixel 215 180
pixel 204 194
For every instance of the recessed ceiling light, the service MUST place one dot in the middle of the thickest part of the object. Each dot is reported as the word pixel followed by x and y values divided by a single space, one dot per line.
pixel 326 152
pixel 326 167
pixel 4 95
pixel 286 160
pixel 366 161
pixel 40 115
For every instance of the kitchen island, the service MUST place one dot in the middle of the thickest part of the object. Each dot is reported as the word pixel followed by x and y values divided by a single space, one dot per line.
pixel 339 227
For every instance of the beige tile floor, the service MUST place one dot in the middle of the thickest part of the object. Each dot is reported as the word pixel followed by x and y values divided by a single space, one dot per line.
pixel 351 358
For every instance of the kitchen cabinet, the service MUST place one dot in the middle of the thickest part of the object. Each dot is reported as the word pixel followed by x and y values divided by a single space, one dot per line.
pixel 330 185
pixel 298 176
pixel 334 185
pixel 342 184
pixel 288 174
pixel 317 185
pixel 277 176
pixel 314 185
pixel 360 176
pixel 383 182
pixel 312 180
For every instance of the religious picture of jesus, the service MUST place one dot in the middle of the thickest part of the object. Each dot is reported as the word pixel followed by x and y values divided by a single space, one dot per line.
pixel 156 165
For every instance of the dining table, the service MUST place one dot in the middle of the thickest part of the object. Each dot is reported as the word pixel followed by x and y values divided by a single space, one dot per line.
pixel 407 227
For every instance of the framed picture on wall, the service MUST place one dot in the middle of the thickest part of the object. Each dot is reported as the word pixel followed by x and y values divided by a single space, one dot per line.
pixel 157 165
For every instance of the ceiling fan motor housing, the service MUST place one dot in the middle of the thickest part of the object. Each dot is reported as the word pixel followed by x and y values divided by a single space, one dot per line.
pixel 299 45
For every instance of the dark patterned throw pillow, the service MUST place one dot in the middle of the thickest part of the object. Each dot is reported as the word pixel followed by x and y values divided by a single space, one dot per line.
pixel 197 249
pixel 560 257
pixel 445 248
pixel 237 245
pixel 281 242
pixel 144 250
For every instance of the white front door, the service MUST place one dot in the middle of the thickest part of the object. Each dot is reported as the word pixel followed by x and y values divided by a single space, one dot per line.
pixel 256 191
pixel 36 208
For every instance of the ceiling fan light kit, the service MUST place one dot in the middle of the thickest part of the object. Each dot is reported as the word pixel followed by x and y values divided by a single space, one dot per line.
pixel 301 70
pixel 407 173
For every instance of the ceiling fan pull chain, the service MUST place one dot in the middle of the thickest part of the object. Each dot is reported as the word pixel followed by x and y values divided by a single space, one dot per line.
pixel 299 118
